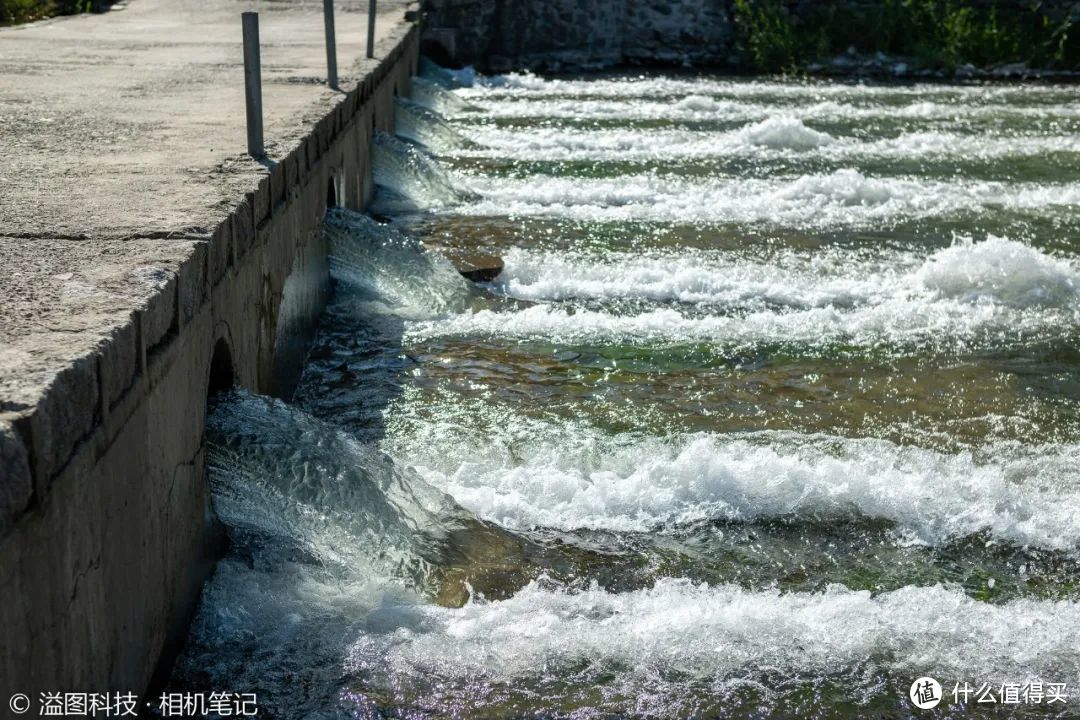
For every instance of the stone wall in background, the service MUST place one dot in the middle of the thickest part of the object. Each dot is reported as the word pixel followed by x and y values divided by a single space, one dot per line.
pixel 697 32
pixel 499 35
pixel 566 35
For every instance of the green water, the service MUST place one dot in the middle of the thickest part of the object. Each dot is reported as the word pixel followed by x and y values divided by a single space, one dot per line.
pixel 772 411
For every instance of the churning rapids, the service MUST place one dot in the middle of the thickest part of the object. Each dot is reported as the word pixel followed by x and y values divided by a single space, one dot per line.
pixel 773 410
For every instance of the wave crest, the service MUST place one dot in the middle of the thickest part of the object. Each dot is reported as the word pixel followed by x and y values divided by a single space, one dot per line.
pixel 1003 270
pixel 785 132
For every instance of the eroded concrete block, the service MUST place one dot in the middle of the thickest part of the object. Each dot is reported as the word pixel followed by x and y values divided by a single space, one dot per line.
pixel 312 151
pixel 300 154
pixel 243 230
pixel 16 483
pixel 277 186
pixel 192 280
pixel 325 132
pixel 291 164
pixel 221 251
pixel 159 311
pixel 118 360
pixel 262 206
pixel 65 413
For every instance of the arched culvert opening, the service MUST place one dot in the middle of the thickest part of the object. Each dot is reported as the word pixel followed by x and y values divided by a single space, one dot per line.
pixel 216 539
pixel 222 375
pixel 437 52
pixel 331 194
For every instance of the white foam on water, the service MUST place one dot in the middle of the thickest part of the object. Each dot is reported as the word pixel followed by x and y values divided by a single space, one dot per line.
pixel 844 198
pixel 992 291
pixel 450 78
pixel 1024 496
pixel 306 485
pixel 944 144
pixel 652 652
pixel 560 144
pixel 794 279
pixel 711 99
pixel 381 270
pixel 773 138
pixel 996 269
pixel 437 98
pixel 408 178
pixel 698 108
pixel 343 540
pixel 694 107
pixel 899 323
pixel 778 133
pixel 1007 271
pixel 784 132
pixel 678 89
pixel 323 612
pixel 698 103
pixel 418 123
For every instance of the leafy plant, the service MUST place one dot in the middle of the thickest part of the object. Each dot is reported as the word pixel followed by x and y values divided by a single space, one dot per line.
pixel 16 11
pixel 937 33
pixel 13 12
pixel 770 35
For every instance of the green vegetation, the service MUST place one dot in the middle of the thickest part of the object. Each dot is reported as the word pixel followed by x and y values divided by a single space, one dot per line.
pixel 934 33
pixel 13 12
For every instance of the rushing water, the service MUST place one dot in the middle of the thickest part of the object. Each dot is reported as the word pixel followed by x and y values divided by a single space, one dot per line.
pixel 772 411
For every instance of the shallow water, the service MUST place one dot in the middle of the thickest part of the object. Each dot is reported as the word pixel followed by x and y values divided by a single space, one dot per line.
pixel 772 411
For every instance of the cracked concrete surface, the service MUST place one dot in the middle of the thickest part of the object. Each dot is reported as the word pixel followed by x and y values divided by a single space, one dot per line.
pixel 132 122
pixel 138 243
pixel 122 147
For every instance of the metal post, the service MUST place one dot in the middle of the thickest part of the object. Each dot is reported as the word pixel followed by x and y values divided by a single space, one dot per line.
pixel 253 84
pixel 331 44
pixel 371 29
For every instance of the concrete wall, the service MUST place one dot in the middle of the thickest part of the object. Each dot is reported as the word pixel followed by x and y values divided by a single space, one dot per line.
pixel 100 576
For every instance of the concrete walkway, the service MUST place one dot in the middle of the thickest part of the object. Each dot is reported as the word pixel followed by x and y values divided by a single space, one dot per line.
pixel 122 148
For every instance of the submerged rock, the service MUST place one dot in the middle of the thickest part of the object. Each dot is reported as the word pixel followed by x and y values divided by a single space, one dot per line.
pixel 478 268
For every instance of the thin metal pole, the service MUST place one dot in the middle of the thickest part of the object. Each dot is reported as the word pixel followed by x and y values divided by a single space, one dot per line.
pixel 253 84
pixel 331 44
pixel 371 29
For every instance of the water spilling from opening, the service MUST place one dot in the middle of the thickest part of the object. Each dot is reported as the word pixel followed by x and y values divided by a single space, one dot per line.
pixel 423 125
pixel 772 410
pixel 408 179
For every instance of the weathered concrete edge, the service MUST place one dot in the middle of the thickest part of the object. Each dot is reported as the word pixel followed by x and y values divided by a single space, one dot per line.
pixel 104 558
pixel 36 444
